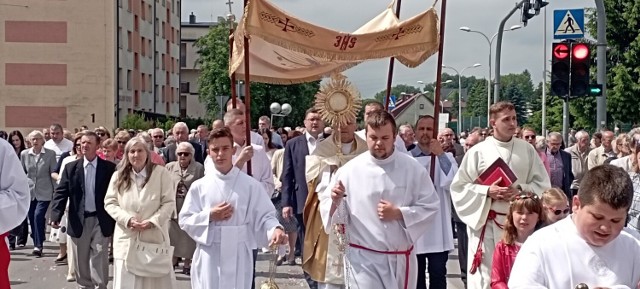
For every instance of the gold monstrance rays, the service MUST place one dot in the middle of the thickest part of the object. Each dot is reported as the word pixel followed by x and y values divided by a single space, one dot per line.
pixel 338 100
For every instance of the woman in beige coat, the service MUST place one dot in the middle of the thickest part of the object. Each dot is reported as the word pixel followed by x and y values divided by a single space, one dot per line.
pixel 141 198
pixel 186 170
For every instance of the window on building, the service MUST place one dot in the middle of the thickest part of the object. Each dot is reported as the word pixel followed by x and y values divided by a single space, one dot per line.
pixel 136 61
pixel 173 5
pixel 142 10
pixel 177 65
pixel 422 106
pixel 156 92
pixel 136 24
pixel 163 93
pixel 143 46
pixel 129 4
pixel 164 63
pixel 157 60
pixel 184 87
pixel 149 82
pixel 129 40
pixel 136 98
pixel 164 31
pixel 149 46
pixel 157 26
pixel 119 78
pixel 119 37
pixel 164 4
pixel 144 82
pixel 129 79
pixel 149 14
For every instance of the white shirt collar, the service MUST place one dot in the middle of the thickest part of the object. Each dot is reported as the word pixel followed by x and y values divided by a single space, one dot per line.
pixel 309 137
pixel 94 162
pixel 142 174
pixel 32 152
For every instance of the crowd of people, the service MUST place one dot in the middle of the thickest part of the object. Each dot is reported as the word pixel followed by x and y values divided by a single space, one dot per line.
pixel 210 198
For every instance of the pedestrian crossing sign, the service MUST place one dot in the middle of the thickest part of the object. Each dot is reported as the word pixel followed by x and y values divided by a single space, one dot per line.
pixel 568 23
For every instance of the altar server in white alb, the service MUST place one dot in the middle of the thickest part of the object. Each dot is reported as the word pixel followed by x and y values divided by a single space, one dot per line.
pixel 14 202
pixel 435 244
pixel 588 247
pixel 386 201
pixel 482 207
pixel 227 213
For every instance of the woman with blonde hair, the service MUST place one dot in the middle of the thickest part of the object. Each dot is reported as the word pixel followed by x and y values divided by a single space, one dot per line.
pixel 141 198
pixel 556 205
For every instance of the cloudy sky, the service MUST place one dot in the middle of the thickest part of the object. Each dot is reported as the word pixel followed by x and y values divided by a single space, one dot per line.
pixel 522 49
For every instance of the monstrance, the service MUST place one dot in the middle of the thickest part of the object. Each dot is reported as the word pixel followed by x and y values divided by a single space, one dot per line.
pixel 338 101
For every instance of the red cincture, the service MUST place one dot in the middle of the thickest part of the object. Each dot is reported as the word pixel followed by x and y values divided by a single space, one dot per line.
pixel 477 257
pixel 406 257
pixel 5 257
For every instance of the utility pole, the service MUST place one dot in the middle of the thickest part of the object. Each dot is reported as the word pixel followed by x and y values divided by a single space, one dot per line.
pixel 601 108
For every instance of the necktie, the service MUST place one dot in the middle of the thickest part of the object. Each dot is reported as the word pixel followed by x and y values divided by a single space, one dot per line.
pixel 89 188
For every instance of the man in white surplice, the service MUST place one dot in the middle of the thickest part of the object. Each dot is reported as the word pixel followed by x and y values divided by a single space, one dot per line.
pixel 14 202
pixel 435 244
pixel 228 214
pixel 386 201
pixel 373 107
pixel 483 207
pixel 234 119
pixel 590 245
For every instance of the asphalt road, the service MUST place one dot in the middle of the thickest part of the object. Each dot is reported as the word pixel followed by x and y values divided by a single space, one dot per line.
pixel 28 272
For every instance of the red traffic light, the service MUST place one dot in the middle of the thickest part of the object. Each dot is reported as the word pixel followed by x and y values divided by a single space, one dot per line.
pixel 580 51
pixel 561 51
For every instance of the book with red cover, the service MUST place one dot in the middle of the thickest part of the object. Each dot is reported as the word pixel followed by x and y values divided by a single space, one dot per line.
pixel 498 169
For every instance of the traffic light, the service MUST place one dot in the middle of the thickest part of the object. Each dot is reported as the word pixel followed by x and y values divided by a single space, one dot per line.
pixel 526 15
pixel 560 66
pixel 580 62
pixel 539 4
pixel 595 90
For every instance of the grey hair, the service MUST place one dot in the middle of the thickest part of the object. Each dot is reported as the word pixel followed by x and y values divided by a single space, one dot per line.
pixel 125 167
pixel 35 134
pixel 181 125
pixel 581 134
pixel 554 134
pixel 185 145
pixel 147 138
pixel 541 143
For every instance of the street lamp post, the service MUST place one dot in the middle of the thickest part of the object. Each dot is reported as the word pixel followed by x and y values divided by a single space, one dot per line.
pixel 490 42
pixel 460 92
pixel 279 110
pixel 441 102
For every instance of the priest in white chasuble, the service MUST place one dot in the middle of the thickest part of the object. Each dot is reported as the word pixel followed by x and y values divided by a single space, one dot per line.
pixel 434 246
pixel 590 246
pixel 321 258
pixel 385 201
pixel 228 214
pixel 483 207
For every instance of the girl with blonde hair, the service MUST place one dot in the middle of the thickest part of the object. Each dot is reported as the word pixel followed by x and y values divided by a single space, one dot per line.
pixel 556 205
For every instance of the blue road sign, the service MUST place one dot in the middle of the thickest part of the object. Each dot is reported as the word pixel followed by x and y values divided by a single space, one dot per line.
pixel 392 102
pixel 568 23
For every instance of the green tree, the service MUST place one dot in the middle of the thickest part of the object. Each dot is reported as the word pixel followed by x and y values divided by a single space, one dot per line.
pixel 477 99
pixel 623 64
pixel 213 50
pixel 136 121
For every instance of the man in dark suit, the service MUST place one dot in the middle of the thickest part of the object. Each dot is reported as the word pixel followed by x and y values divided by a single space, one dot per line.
pixel 294 183
pixel 560 171
pixel 84 183
pixel 181 133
